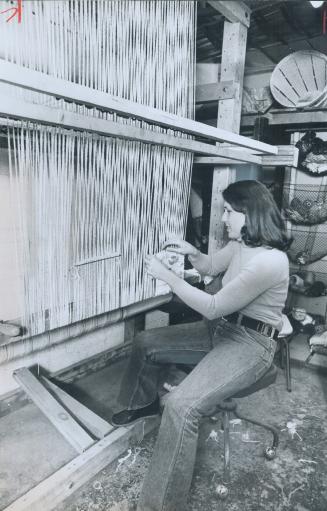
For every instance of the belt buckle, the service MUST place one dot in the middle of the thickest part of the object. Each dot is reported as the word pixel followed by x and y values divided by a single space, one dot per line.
pixel 265 329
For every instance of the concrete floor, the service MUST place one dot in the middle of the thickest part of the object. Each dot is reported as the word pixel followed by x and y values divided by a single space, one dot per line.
pixel 32 449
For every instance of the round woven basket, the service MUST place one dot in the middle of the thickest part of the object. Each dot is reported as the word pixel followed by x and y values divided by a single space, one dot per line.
pixel 299 79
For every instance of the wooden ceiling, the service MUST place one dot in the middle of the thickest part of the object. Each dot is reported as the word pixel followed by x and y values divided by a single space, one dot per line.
pixel 277 29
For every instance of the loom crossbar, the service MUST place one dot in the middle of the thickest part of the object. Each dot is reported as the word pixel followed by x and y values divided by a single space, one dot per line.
pixel 18 109
pixel 287 157
pixel 41 82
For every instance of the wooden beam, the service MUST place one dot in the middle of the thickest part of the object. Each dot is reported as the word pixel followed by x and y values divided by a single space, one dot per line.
pixel 216 160
pixel 18 109
pixel 230 156
pixel 41 82
pixel 290 117
pixel 90 420
pixel 287 157
pixel 235 12
pixel 54 411
pixel 229 116
pixel 214 92
pixel 55 489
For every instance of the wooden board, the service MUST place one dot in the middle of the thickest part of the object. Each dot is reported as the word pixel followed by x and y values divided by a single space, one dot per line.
pixel 18 109
pixel 235 12
pixel 53 410
pixel 54 490
pixel 90 420
pixel 41 82
pixel 287 157
pixel 214 92
pixel 229 116
pixel 300 118
pixel 234 154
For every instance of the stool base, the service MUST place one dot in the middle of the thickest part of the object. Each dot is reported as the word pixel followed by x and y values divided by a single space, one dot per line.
pixel 229 408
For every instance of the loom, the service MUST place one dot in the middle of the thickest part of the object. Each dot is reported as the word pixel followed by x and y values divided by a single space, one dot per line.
pixel 91 206
pixel 97 102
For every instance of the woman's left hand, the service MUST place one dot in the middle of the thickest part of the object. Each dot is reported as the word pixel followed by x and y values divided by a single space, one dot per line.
pixel 156 268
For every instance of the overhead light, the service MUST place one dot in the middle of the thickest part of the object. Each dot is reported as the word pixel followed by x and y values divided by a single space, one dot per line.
pixel 316 4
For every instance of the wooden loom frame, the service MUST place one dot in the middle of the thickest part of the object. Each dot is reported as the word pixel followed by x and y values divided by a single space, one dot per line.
pixel 43 83
pixel 56 488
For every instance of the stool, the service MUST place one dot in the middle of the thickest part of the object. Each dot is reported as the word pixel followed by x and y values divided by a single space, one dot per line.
pixel 228 407
pixel 284 338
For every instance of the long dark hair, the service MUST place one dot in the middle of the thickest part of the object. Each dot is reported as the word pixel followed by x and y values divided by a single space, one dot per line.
pixel 264 224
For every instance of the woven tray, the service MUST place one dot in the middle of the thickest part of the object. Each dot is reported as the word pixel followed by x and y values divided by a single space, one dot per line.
pixel 299 79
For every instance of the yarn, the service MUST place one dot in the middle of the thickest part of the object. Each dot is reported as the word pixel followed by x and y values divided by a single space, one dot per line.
pixel 91 207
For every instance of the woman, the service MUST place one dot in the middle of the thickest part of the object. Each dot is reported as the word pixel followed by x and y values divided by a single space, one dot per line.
pixel 241 350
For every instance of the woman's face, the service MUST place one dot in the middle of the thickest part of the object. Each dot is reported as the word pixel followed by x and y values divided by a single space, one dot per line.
pixel 234 221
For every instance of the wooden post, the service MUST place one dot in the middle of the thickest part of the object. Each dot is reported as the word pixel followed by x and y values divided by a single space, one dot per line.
pixel 229 118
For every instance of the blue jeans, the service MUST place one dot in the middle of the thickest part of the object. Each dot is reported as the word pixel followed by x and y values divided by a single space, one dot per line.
pixel 231 359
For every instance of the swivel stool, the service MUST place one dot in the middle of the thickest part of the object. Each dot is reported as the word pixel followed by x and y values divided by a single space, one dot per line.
pixel 229 407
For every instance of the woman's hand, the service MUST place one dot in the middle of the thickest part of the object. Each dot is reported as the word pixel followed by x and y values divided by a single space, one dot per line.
pixel 180 247
pixel 156 268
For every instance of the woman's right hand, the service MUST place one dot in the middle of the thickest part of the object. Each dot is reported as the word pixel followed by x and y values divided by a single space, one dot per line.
pixel 180 247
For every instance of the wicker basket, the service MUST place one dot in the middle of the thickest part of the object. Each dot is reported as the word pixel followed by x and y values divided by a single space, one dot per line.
pixel 299 79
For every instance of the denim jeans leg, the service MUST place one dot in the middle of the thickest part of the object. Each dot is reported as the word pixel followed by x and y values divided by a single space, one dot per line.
pixel 186 343
pixel 232 365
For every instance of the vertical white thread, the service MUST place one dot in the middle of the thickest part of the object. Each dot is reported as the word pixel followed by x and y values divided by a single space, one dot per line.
pixel 88 196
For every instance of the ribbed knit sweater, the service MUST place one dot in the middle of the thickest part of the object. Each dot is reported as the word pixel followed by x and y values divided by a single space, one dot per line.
pixel 255 283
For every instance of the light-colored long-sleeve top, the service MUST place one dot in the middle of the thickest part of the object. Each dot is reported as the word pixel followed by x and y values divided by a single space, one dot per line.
pixel 255 283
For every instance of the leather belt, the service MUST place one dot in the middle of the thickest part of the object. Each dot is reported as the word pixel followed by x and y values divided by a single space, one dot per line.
pixel 259 326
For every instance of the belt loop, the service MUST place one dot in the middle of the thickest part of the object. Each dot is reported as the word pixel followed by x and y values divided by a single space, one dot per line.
pixel 239 319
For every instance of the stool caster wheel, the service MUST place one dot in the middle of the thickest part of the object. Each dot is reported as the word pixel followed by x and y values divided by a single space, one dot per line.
pixel 270 453
pixel 222 491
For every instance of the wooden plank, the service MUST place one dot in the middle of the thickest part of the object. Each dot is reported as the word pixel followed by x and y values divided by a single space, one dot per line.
pixel 236 12
pixel 289 117
pixel 54 490
pixel 287 157
pixel 231 154
pixel 92 422
pixel 229 116
pixel 216 160
pixel 54 411
pixel 214 92
pixel 18 109
pixel 41 82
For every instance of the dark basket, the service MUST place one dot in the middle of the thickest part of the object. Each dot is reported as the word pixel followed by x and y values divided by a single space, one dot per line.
pixel 308 247
pixel 305 204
